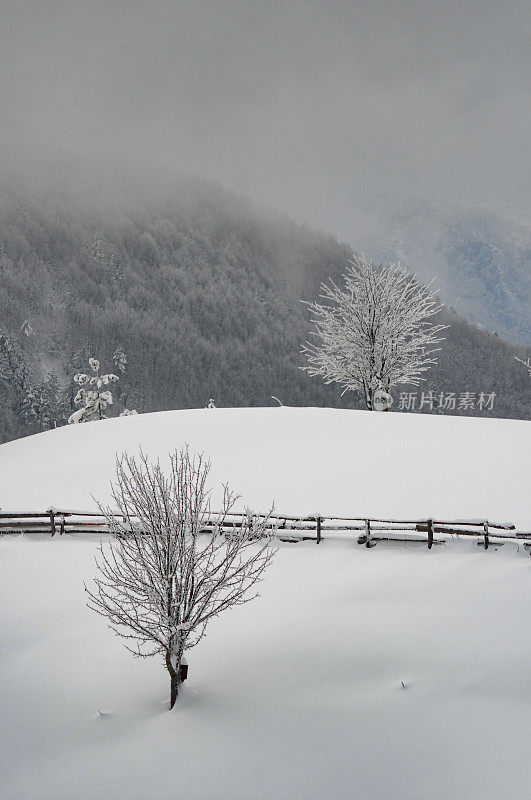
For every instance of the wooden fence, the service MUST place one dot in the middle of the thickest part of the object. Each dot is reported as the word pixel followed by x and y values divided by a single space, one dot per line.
pixel 289 528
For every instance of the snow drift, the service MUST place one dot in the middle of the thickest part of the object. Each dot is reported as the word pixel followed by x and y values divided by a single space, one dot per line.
pixel 336 462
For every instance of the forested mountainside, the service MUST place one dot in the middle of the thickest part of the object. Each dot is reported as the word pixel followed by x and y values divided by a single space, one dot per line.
pixel 481 260
pixel 201 289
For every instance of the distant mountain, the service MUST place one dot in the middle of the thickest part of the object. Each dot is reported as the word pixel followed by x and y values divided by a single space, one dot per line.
pixel 481 260
pixel 200 288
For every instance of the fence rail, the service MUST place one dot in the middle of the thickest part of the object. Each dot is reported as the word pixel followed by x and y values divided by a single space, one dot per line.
pixel 287 527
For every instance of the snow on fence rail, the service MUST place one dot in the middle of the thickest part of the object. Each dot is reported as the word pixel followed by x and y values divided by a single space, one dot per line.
pixel 286 527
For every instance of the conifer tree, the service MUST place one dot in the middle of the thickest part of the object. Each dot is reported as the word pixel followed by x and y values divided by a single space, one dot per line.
pixel 94 399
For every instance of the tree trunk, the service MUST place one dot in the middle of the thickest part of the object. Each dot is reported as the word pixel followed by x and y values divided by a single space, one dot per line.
pixel 175 677
pixel 174 688
pixel 387 390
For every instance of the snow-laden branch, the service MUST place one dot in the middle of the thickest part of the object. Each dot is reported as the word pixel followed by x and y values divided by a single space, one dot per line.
pixel 527 364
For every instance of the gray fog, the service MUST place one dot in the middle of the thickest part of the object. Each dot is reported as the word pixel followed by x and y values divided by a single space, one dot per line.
pixel 309 107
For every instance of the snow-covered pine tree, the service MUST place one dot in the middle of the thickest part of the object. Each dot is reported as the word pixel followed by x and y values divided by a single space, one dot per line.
pixel 97 250
pixel 119 359
pixel 14 372
pixel 27 328
pixel 100 254
pixel 29 404
pixel 375 332
pixel 94 399
pixel 40 403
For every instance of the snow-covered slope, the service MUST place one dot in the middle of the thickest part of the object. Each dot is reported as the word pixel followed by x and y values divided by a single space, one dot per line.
pixel 395 673
pixel 337 462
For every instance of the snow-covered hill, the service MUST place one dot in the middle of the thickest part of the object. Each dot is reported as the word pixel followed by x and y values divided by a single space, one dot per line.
pixel 395 673
pixel 337 462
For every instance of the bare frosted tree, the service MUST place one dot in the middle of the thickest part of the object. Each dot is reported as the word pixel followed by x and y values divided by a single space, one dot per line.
pixel 375 332
pixel 160 581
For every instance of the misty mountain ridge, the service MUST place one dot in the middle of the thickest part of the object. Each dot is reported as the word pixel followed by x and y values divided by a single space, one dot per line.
pixel 481 260
pixel 200 287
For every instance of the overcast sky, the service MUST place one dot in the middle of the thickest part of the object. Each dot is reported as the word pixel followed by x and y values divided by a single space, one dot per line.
pixel 306 106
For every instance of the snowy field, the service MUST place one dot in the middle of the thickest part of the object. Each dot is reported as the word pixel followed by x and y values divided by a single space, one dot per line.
pixel 336 462
pixel 298 694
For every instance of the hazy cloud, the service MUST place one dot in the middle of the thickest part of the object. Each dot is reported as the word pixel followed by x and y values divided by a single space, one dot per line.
pixel 306 106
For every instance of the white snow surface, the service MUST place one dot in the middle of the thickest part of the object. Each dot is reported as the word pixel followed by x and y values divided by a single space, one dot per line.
pixel 346 463
pixel 395 673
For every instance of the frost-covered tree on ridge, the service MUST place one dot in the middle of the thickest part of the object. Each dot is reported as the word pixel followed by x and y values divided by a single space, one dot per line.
pixel 374 333
pixel 93 396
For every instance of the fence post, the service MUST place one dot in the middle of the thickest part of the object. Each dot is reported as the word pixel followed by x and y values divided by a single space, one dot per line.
pixel 430 534
pixel 367 533
pixel 318 520
pixel 62 528
pixel 486 533
pixel 52 522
